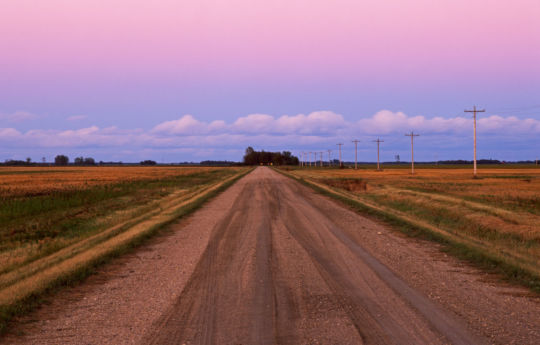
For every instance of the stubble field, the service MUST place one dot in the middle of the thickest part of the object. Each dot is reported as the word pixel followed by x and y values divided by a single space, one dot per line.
pixel 494 218
pixel 56 222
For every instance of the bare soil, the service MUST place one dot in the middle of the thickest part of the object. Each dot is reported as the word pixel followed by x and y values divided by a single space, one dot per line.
pixel 270 261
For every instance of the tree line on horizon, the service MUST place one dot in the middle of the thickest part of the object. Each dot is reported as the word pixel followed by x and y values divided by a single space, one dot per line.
pixel 253 157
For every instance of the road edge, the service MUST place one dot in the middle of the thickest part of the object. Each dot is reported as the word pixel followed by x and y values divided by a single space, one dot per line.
pixel 484 261
pixel 78 275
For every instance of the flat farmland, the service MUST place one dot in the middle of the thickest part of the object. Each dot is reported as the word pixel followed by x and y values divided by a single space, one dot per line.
pixel 495 217
pixel 55 222
pixel 272 261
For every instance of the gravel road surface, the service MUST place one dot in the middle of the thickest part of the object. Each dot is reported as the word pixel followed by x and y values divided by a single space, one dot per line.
pixel 271 262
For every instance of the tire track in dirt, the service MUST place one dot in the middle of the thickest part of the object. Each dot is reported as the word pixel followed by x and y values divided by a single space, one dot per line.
pixel 236 296
pixel 271 262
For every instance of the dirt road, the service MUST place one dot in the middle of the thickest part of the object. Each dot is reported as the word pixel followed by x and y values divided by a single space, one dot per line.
pixel 271 262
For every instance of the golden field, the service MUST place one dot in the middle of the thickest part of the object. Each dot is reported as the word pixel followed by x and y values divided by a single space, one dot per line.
pixel 56 222
pixel 497 214
pixel 20 181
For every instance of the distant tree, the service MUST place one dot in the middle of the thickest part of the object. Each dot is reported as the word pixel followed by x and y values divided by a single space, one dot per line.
pixel 15 162
pixel 218 163
pixel 148 162
pixel 28 160
pixel 84 161
pixel 79 161
pixel 61 160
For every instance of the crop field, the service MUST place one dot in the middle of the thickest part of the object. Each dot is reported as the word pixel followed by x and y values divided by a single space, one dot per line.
pixel 56 221
pixel 496 215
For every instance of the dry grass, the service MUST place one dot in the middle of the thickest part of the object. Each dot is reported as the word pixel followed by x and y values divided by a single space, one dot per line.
pixel 31 181
pixel 498 213
pixel 119 205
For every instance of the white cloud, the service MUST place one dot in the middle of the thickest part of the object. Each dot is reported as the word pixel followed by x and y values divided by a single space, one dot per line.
pixel 18 116
pixel 254 123
pixel 9 133
pixel 319 122
pixel 386 122
pixel 321 129
pixel 187 124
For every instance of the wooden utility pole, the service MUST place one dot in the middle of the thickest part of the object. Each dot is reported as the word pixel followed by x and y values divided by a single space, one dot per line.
pixel 378 141
pixel 474 111
pixel 340 164
pixel 329 161
pixel 412 135
pixel 355 153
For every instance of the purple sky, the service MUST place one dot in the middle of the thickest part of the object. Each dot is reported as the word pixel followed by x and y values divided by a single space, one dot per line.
pixel 194 80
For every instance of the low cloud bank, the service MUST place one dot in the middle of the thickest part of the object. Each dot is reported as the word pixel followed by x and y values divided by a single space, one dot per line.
pixel 319 128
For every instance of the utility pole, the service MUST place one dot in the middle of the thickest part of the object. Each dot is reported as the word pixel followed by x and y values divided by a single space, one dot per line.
pixel 412 135
pixel 474 111
pixel 329 161
pixel 355 153
pixel 378 141
pixel 339 153
pixel 321 157
pixel 309 154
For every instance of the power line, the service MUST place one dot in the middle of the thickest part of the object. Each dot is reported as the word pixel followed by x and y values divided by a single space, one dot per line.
pixel 412 135
pixel 474 111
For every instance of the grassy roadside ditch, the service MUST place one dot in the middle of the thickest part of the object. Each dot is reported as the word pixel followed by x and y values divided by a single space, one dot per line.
pixel 511 255
pixel 25 286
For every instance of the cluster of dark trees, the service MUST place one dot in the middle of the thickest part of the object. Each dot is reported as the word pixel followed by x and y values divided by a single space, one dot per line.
pixel 61 160
pixel 64 160
pixel 16 162
pixel 253 157
pixel 219 163
pixel 84 161
pixel 148 162
pixel 479 161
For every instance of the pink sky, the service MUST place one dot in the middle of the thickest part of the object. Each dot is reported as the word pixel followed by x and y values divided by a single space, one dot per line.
pixel 269 39
pixel 85 66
